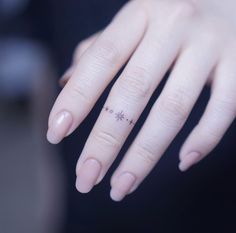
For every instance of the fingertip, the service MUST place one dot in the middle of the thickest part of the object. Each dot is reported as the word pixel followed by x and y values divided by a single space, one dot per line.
pixel 88 175
pixel 121 188
pixel 116 196
pixel 59 126
pixel 189 160
pixel 52 138
pixel 183 167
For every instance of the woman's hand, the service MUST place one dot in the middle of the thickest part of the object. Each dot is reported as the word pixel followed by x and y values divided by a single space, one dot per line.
pixel 197 39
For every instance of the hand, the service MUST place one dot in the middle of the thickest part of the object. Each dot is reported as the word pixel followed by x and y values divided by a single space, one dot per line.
pixel 197 39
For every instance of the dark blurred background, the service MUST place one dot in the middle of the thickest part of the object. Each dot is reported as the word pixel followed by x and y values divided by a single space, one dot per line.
pixel 37 191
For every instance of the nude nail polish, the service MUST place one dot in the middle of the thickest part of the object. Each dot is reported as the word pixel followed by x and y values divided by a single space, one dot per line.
pixel 189 160
pixel 122 186
pixel 88 175
pixel 59 127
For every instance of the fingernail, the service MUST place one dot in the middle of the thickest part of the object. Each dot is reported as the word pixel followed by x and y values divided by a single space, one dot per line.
pixel 59 127
pixel 88 175
pixel 66 76
pixel 189 160
pixel 122 186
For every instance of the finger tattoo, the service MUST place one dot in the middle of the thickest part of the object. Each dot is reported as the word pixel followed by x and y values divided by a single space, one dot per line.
pixel 119 116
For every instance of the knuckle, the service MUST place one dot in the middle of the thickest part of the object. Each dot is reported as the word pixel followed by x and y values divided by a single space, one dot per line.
pixel 79 50
pixel 141 8
pixel 175 108
pixel 84 44
pixel 184 9
pixel 208 34
pixel 107 139
pixel 106 51
pixel 135 83
pixel 79 91
pixel 138 7
pixel 226 104
pixel 145 153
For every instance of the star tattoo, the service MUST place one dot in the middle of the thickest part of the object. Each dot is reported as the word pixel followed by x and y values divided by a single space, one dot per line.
pixel 120 116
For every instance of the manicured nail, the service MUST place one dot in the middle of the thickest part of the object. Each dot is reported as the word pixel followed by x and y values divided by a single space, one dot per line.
pixel 122 186
pixel 66 76
pixel 189 160
pixel 59 127
pixel 88 175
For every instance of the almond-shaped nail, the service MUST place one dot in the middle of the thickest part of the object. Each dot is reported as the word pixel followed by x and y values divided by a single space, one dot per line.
pixel 189 160
pixel 88 175
pixel 122 186
pixel 59 127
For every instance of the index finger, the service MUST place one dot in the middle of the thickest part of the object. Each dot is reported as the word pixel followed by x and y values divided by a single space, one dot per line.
pixel 96 68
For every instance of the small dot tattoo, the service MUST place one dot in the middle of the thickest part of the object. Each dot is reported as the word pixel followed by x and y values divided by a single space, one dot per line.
pixel 131 122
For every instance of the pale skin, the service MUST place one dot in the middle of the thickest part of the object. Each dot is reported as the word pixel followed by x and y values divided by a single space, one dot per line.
pixel 197 39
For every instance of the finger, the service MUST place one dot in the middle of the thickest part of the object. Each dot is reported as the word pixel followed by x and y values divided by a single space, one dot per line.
pixel 165 119
pixel 218 116
pixel 95 70
pixel 66 76
pixel 127 100
pixel 83 46
pixel 79 51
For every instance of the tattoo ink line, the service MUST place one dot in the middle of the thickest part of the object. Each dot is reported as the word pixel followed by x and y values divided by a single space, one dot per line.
pixel 119 116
